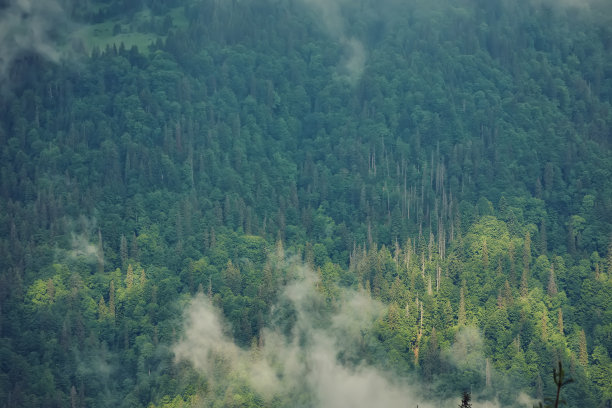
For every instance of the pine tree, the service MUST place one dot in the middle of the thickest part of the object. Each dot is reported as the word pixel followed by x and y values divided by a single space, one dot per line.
pixel 461 314
pixel 512 263
pixel 123 251
pixel 485 255
pixel 538 188
pixel 508 298
pixel 100 253
pixel 51 290
pixel 571 239
pixel 111 300
pixel 143 277
pixel 543 238
pixel 129 278
pixel 102 309
pixel 134 252
pixel 552 283
pixel 309 255
pixel 465 400
pixel 213 237
pixel 431 357
pixel 232 278
pixel 280 251
pixel 527 251
pixel 525 283
pixel 583 355
pixel 544 324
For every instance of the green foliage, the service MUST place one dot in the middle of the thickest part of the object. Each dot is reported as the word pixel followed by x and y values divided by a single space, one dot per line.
pixel 462 178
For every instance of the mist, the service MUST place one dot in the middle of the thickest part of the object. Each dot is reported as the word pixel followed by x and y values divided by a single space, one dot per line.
pixel 303 362
pixel 84 243
pixel 29 26
pixel 354 59
pixel 317 362
pixel 82 248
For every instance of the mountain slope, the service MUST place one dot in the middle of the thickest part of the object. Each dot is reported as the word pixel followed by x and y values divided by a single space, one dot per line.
pixel 452 160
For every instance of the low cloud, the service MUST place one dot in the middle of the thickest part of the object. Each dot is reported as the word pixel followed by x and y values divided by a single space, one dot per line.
pixel 29 26
pixel 304 363
pixel 355 56
pixel 82 248
pixel 84 244
pixel 467 352
pixel 318 361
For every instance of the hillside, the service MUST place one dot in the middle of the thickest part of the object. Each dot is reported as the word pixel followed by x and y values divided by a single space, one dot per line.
pixel 284 202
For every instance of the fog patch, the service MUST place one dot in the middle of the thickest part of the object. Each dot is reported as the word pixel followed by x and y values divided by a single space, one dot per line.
pixel 304 362
pixel 29 26
pixel 467 352
pixel 353 61
pixel 82 248
pixel 318 359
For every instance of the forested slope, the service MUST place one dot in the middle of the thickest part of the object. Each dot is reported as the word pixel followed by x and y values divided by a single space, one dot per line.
pixel 450 159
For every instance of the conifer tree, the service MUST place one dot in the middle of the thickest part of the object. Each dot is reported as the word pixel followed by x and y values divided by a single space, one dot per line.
pixel 524 283
pixel 544 324
pixel 512 263
pixel 543 247
pixel 485 255
pixel 50 290
pixel 508 298
pixel 232 278
pixel 123 251
pixel 111 300
pixel 461 313
pixel 134 251
pixel 527 251
pixel 100 253
pixel 129 277
pixel 143 277
pixel 102 309
pixel 583 355
pixel 552 283
pixel 465 400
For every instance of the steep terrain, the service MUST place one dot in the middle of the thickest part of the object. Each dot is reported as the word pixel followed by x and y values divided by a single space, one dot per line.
pixel 448 161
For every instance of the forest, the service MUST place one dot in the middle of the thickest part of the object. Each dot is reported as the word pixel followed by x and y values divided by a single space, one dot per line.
pixel 305 203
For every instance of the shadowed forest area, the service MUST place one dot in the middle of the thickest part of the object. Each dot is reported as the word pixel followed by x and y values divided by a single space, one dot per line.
pixel 274 203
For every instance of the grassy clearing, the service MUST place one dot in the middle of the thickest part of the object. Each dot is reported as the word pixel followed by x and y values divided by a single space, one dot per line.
pixel 179 19
pixel 129 32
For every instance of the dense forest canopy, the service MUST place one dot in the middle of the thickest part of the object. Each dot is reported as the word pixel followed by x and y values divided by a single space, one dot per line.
pixel 305 203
